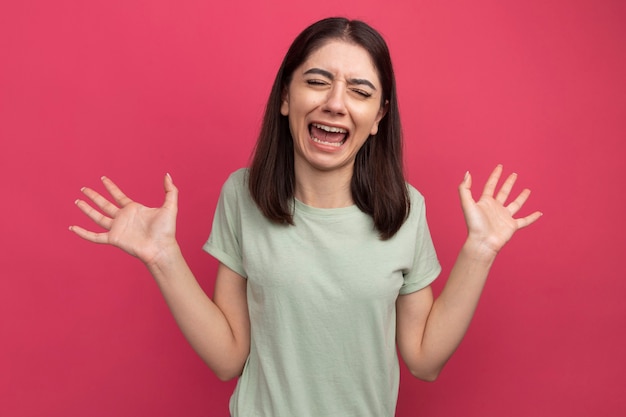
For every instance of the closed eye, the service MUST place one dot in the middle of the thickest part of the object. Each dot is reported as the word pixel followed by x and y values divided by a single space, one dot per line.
pixel 316 82
pixel 362 93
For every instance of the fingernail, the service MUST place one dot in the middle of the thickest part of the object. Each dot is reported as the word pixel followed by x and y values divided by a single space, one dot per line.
pixel 466 175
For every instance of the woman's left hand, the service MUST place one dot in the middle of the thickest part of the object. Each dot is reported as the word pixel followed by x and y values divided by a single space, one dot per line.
pixel 490 222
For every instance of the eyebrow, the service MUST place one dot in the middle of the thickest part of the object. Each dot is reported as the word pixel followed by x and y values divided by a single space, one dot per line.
pixel 330 76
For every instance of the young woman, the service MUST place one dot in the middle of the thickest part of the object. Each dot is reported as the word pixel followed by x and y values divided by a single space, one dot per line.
pixel 325 256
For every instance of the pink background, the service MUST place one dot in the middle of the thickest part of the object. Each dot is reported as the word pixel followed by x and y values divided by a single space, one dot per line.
pixel 134 89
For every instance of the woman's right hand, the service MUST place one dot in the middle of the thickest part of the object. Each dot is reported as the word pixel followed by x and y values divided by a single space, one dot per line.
pixel 141 231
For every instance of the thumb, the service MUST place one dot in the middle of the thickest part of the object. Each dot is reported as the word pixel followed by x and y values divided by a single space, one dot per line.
pixel 171 193
pixel 465 190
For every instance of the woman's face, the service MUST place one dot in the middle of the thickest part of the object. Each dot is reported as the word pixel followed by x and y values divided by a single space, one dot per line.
pixel 333 103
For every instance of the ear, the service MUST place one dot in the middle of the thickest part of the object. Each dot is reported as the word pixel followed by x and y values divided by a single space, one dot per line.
pixel 284 105
pixel 381 113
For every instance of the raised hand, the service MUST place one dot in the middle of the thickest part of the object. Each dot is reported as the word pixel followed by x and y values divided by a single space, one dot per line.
pixel 141 231
pixel 490 220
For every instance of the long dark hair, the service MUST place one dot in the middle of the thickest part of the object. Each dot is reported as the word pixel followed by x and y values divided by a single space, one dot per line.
pixel 378 186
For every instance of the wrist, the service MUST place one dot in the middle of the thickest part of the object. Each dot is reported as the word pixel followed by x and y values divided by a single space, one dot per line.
pixel 163 256
pixel 479 251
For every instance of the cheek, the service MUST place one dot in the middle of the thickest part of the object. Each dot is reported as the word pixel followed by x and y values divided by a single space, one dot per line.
pixel 377 118
pixel 298 109
pixel 295 127
pixel 370 122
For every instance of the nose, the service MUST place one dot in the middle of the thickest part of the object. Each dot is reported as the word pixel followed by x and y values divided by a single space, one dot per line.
pixel 335 101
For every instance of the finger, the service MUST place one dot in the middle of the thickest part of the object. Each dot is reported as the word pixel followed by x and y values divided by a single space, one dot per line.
pixel 528 220
pixel 519 201
pixel 98 218
pixel 90 236
pixel 492 181
pixel 465 190
pixel 117 194
pixel 171 193
pixel 506 188
pixel 102 203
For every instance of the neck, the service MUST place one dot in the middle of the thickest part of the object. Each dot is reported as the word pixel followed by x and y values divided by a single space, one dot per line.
pixel 324 189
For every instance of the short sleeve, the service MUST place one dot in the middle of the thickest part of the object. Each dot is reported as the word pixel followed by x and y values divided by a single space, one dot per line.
pixel 224 242
pixel 426 267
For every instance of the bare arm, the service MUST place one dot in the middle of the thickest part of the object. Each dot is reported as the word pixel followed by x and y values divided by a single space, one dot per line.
pixel 218 330
pixel 429 331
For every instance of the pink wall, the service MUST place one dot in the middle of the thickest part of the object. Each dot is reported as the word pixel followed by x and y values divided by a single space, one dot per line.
pixel 134 89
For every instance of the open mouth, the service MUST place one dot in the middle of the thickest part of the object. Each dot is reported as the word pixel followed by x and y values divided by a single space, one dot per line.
pixel 327 135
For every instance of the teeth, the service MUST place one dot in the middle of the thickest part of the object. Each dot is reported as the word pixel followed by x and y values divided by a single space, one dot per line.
pixel 336 144
pixel 330 128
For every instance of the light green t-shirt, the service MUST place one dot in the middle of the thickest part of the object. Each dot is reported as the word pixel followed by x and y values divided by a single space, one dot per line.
pixel 321 296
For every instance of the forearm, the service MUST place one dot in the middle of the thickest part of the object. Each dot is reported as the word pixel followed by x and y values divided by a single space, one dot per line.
pixel 202 322
pixel 430 331
pixel 452 311
pixel 218 331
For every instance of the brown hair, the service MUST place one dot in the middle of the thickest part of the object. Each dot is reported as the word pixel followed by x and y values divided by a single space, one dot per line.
pixel 378 186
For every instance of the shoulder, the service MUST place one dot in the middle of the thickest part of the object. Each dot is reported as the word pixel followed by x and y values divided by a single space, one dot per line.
pixel 237 179
pixel 415 196
pixel 235 194
pixel 417 210
pixel 235 184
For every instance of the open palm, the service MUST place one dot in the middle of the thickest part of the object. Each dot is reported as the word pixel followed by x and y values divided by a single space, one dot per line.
pixel 139 230
pixel 489 220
